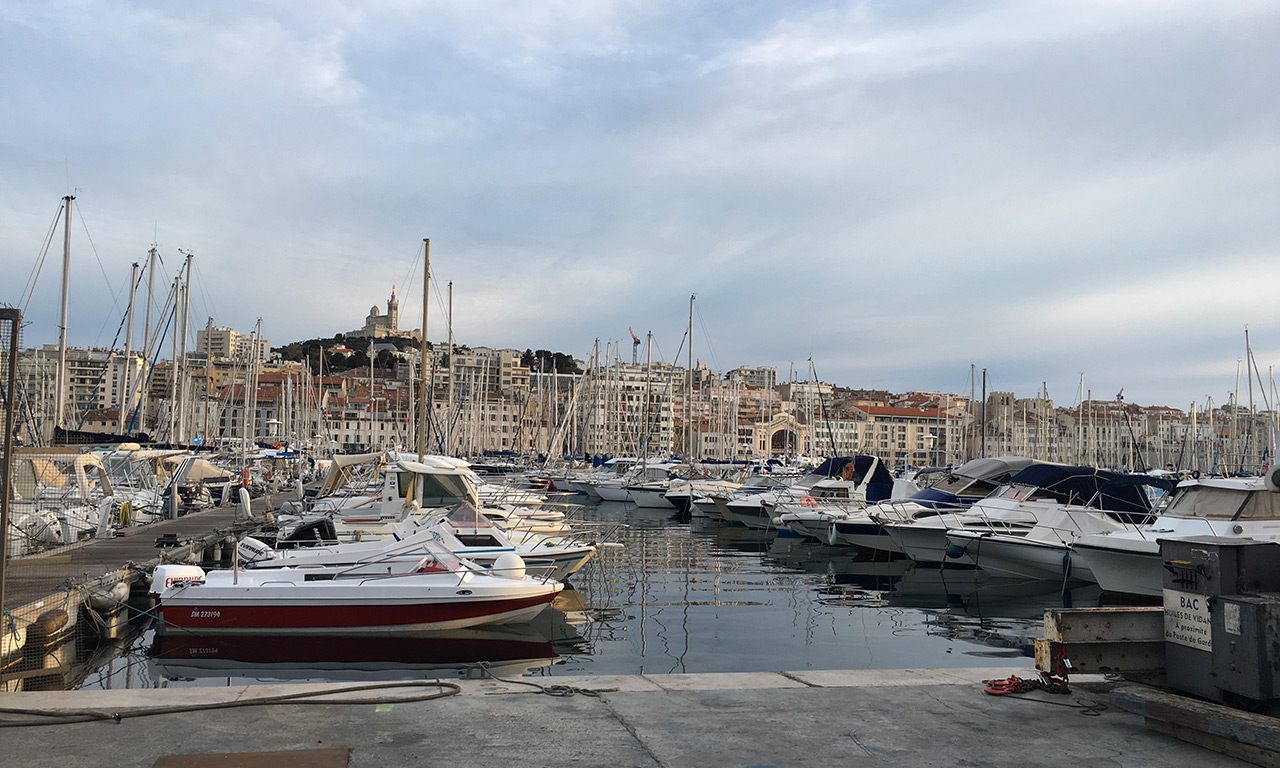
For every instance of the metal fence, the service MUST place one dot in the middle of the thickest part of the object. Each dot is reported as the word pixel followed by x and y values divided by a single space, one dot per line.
pixel 57 602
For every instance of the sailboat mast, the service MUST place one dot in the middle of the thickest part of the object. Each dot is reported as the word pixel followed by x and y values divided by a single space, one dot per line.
pixel 183 383
pixel 122 404
pixel 448 411
pixel 648 388
pixel 173 370
pixel 688 403
pixel 60 387
pixel 143 395
pixel 208 374
pixel 982 446
pixel 1248 373
pixel 422 369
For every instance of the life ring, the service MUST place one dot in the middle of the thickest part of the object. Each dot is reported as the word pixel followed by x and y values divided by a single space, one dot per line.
pixel 279 446
pixel 808 501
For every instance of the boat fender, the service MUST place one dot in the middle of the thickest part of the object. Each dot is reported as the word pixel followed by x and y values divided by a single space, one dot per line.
pixel 955 551
pixel 245 511
pixel 42 632
pixel 508 565
pixel 1271 479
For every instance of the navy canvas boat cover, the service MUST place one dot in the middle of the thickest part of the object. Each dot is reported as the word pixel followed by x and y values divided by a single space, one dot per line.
pixel 1097 488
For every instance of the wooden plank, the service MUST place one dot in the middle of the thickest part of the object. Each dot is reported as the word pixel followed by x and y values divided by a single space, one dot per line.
pixel 1247 752
pixel 1096 658
pixel 38 672
pixel 1076 625
pixel 1206 717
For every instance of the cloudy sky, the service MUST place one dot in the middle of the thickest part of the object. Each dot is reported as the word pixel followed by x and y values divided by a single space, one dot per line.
pixel 896 190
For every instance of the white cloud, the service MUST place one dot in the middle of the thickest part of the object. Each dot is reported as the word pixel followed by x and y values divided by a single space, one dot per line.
pixel 899 191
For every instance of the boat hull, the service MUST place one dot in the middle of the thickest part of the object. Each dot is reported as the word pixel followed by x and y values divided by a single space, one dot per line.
pixel 612 493
pixel 283 608
pixel 863 534
pixel 1021 558
pixel 650 499
pixel 1125 571
pixel 752 514
pixel 924 544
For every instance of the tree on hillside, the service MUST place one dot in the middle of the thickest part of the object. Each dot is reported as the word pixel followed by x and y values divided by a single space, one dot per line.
pixel 545 361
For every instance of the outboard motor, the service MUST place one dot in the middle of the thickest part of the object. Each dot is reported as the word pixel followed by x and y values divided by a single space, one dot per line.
pixel 315 533
pixel 251 550
pixel 167 575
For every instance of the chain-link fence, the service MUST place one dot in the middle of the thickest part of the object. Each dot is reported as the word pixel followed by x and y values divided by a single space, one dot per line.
pixel 58 600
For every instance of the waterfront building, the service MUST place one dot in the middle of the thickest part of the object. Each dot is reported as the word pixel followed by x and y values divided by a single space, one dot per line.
pixel 228 344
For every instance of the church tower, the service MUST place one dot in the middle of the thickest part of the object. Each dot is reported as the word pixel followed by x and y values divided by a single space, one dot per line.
pixel 393 312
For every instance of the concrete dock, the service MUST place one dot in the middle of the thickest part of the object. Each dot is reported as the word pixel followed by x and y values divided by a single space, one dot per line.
pixel 938 717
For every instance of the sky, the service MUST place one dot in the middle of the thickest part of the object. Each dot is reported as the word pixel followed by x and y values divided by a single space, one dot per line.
pixel 887 194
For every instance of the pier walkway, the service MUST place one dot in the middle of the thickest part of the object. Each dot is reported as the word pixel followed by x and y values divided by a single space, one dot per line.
pixel 33 577
pixel 937 717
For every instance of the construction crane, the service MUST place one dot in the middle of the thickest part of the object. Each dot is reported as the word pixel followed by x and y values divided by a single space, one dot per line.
pixel 635 346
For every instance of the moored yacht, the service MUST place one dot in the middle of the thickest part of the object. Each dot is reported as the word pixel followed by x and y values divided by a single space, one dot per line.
pixel 1129 562
pixel 955 491
pixel 1079 501
pixel 835 484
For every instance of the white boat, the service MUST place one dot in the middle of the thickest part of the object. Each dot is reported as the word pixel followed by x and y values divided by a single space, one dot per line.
pixel 683 494
pixel 838 484
pixel 1128 562
pixel 651 495
pixel 438 592
pixel 368 496
pixel 715 504
pixel 462 530
pixel 607 484
pixel 921 534
pixel 954 491
pixel 1078 501
pixel 1042 552
pixel 58 498
pixel 649 483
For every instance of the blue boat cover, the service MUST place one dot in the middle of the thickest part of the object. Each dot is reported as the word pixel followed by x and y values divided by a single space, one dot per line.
pixel 1097 488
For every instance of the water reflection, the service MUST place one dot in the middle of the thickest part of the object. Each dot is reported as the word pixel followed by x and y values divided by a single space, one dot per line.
pixel 509 650
pixel 693 596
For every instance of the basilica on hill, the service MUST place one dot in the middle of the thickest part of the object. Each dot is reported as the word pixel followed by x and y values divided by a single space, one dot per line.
pixel 378 325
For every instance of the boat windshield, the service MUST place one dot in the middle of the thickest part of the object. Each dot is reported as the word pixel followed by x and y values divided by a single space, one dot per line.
pixel 467 516
pixel 437 490
pixel 1019 492
pixel 956 485
pixel 1211 503
pixel 439 559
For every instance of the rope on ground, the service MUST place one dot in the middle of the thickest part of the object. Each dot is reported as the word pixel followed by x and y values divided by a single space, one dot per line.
pixel 1014 685
pixel 65 717
pixel 550 690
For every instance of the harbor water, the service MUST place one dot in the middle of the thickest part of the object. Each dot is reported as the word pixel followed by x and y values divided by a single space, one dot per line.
pixel 672 596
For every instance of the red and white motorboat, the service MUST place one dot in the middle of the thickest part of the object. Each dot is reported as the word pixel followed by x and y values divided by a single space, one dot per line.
pixel 439 592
